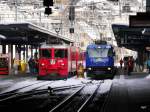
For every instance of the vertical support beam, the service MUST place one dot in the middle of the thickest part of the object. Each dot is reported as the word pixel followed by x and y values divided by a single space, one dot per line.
pixel 141 59
pixel 27 57
pixel 148 6
pixel 19 52
pixel 10 57
pixel 19 57
pixel 11 48
pixel 4 49
pixel 27 47
pixel 31 50
pixel 24 49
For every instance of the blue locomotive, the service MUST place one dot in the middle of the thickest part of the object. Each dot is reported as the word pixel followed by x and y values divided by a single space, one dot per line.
pixel 100 60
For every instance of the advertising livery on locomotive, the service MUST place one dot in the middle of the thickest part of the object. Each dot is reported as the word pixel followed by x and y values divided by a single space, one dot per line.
pixel 100 60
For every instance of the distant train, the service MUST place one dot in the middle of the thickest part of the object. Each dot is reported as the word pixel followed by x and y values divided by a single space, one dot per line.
pixel 100 60
pixel 58 61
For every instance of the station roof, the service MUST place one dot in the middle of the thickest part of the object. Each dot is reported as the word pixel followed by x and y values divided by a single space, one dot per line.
pixel 27 33
pixel 131 37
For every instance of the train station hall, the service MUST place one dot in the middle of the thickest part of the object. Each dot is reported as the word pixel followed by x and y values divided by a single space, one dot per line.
pixel 74 55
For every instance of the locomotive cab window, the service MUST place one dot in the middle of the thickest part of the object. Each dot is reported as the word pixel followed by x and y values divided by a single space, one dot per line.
pixel 3 62
pixel 61 53
pixel 45 53
pixel 98 52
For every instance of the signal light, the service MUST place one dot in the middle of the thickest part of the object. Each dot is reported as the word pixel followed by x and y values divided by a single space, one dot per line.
pixel 48 3
pixel 71 30
pixel 48 11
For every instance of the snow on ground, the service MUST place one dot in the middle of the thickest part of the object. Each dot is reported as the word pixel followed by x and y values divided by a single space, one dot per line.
pixel 19 85
pixel 35 86
pixel 32 84
pixel 105 87
pixel 62 83
pixel 89 89
pixel 148 76
pixel 69 82
pixel 6 82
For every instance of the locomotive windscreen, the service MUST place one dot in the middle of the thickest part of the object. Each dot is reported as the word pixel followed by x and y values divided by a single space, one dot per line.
pixel 3 62
pixel 61 53
pixel 100 52
pixel 45 53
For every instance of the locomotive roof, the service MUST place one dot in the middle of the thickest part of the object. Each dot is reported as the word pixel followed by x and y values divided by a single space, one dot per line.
pixel 99 45
pixel 55 46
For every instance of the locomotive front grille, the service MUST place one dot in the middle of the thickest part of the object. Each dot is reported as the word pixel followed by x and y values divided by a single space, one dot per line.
pixel 99 68
pixel 52 61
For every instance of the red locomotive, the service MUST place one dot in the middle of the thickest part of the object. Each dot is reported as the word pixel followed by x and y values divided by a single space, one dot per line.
pixel 59 61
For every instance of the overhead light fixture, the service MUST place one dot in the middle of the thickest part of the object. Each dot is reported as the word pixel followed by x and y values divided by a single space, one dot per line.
pixel 2 37
pixel 143 31
pixel 36 36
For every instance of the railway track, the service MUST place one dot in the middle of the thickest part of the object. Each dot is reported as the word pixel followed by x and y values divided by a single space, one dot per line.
pixel 37 101
pixel 33 90
pixel 69 98
pixel 78 101
pixel 22 90
pixel 27 87
pixel 8 83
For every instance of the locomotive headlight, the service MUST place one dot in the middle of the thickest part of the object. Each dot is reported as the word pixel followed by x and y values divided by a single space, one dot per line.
pixel 42 64
pixel 109 68
pixel 62 64
pixel 89 68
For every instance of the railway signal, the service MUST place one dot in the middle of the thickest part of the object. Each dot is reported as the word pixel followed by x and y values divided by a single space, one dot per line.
pixel 48 11
pixel 48 3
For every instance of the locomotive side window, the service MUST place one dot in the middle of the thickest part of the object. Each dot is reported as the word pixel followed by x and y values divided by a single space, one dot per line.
pixel 110 52
pixel 45 53
pixel 61 53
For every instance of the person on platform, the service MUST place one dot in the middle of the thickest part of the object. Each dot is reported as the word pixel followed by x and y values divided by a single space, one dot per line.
pixel 31 64
pixel 121 62
pixel 80 71
pixel 148 65
pixel 130 65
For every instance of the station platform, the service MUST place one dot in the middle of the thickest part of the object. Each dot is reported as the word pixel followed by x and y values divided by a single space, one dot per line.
pixel 129 93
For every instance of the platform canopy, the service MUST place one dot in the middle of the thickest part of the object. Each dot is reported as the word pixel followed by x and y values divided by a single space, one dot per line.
pixel 28 33
pixel 132 38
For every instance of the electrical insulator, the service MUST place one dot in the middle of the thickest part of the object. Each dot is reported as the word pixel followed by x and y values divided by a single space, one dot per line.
pixel 71 30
